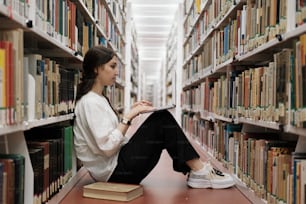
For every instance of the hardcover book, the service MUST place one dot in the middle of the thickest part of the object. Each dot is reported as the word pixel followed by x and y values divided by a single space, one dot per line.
pixel 112 191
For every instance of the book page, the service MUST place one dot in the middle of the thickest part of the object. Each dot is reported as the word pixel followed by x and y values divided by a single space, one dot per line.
pixel 161 108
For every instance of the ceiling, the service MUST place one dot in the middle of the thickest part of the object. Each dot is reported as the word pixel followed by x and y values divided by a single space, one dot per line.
pixel 152 20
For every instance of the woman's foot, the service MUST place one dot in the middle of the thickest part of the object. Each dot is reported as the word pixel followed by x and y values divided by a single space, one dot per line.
pixel 209 177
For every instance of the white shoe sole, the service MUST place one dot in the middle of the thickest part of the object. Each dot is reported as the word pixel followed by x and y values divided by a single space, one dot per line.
pixel 197 183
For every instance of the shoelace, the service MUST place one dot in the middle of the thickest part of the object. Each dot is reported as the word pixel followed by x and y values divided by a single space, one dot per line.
pixel 218 172
pixel 215 171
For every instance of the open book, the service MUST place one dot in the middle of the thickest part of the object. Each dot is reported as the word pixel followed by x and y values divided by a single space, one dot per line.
pixel 160 108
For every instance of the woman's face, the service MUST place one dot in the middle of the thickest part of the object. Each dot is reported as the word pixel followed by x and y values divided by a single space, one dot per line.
pixel 107 73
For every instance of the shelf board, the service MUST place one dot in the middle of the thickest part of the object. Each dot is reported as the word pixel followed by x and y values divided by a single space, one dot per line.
pixel 11 129
pixel 225 119
pixel 10 19
pixel 260 123
pixel 113 17
pixel 47 121
pixel 295 130
pixel 37 41
pixel 222 67
pixel 26 125
pixel 85 11
pixel 263 53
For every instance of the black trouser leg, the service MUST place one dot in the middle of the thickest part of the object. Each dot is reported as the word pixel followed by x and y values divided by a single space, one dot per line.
pixel 140 155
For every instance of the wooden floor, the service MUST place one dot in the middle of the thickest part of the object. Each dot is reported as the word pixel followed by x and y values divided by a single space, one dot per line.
pixel 164 186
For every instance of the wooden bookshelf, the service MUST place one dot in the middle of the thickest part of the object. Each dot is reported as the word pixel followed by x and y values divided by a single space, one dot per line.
pixel 220 44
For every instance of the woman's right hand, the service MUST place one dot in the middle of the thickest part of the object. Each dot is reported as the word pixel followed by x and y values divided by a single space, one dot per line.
pixel 138 108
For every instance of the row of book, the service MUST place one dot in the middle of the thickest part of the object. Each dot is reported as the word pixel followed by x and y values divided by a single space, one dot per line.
pixel 236 36
pixel 261 93
pixel 61 20
pixel 110 27
pixel 58 19
pixel 51 155
pixel 103 9
pixel 116 97
pixel 205 14
pixel 19 7
pixel 12 169
pixel 197 64
pixel 264 161
pixel 32 86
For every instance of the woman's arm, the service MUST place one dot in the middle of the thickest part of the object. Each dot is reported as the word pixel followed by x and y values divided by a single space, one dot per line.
pixel 136 109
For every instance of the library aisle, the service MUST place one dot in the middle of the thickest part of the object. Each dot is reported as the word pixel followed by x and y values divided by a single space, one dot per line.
pixel 235 69
pixel 164 186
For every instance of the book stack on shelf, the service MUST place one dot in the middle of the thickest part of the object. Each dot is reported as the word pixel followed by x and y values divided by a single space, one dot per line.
pixel 50 149
pixel 41 52
pixel 132 74
pixel 171 65
pixel 243 92
pixel 134 66
pixel 171 90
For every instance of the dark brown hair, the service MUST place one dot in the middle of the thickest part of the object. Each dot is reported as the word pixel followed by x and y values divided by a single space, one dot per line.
pixel 94 57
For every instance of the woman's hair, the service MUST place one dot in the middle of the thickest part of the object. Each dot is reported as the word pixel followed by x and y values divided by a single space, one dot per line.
pixel 94 58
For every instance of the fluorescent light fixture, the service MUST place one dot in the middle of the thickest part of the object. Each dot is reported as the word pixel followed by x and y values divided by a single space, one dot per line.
pixel 150 59
pixel 164 5
pixel 152 77
pixel 152 38
pixel 153 26
pixel 152 48
pixel 159 16
pixel 151 32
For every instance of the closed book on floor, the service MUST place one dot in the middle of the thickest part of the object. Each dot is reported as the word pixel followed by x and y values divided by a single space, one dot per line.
pixel 112 191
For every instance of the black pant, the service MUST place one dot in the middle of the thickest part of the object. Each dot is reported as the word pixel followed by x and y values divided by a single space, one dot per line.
pixel 140 155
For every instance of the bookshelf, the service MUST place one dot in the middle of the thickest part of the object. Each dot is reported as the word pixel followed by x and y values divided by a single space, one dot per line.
pixel 134 67
pixel 243 83
pixel 52 39
pixel 173 63
pixel 132 59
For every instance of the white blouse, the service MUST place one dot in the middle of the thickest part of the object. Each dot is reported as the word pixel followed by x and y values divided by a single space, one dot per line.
pixel 96 140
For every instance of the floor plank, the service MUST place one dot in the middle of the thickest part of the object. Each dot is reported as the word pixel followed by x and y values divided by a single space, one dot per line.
pixel 164 186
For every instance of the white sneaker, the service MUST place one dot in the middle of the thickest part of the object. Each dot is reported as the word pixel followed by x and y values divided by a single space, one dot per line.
pixel 209 177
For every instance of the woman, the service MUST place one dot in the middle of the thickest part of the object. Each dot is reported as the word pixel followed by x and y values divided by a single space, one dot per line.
pixel 100 141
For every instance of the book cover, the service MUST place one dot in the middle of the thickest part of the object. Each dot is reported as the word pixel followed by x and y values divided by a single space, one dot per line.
pixel 44 145
pixel 1 181
pixel 34 85
pixel 160 108
pixel 112 191
pixel 9 180
pixel 2 79
pixel 19 163
pixel 37 157
pixel 7 46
